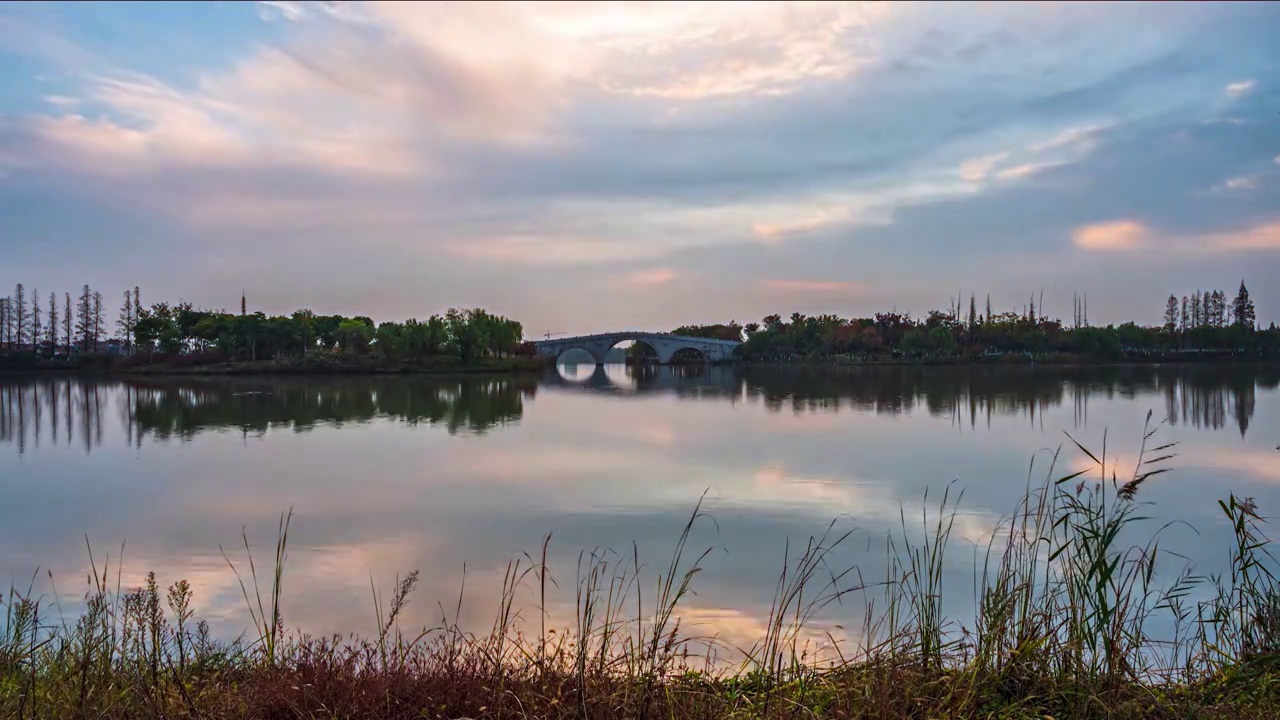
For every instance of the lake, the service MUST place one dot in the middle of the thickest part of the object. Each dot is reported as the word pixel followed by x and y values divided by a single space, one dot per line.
pixel 456 477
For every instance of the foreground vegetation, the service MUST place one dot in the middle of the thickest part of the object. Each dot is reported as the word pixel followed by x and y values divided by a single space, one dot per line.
pixel 1067 626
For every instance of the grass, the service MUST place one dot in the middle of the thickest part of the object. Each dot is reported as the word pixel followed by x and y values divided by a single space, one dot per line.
pixel 1066 626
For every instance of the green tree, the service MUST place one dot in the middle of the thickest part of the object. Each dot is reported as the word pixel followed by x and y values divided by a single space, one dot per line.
pixel 354 335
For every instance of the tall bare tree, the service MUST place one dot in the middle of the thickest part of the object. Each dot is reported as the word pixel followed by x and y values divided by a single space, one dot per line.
pixel 4 323
pixel 53 323
pixel 84 320
pixel 20 317
pixel 99 321
pixel 125 323
pixel 35 320
pixel 66 322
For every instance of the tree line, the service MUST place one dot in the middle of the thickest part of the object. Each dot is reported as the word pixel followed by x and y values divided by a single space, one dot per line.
pixel 27 324
pixel 1203 321
pixel 61 331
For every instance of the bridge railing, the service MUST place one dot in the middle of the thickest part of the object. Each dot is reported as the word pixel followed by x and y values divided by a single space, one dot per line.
pixel 626 334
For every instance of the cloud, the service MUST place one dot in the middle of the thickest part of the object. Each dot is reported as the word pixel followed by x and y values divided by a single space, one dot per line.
pixel 1236 89
pixel 816 286
pixel 822 219
pixel 978 169
pixel 269 9
pixel 1264 236
pixel 534 249
pixel 648 278
pixel 1257 464
pixel 1027 170
pixel 1084 137
pixel 446 145
pixel 1241 183
pixel 1110 236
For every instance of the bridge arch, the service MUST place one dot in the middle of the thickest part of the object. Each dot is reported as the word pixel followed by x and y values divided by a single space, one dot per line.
pixel 688 354
pixel 596 357
pixel 666 346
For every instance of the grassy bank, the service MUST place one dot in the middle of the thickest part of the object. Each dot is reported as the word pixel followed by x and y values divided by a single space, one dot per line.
pixel 1066 628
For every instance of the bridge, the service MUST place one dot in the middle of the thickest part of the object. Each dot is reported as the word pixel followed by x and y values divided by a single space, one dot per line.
pixel 665 345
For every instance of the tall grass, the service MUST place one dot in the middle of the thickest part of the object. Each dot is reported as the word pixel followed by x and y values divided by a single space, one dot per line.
pixel 1079 612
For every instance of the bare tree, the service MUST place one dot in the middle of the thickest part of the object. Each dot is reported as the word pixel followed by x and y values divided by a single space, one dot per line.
pixel 53 323
pixel 125 323
pixel 84 320
pixel 99 321
pixel 4 323
pixel 20 317
pixel 66 323
pixel 35 321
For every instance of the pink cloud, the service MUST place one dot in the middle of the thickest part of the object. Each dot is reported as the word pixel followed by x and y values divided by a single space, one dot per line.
pixel 1110 236
pixel 1259 237
pixel 815 286
pixel 978 169
pixel 550 250
pixel 648 278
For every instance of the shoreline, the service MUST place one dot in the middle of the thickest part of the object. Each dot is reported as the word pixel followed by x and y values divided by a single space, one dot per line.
pixel 521 366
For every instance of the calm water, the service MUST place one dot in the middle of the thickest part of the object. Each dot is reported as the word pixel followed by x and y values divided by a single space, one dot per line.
pixel 392 475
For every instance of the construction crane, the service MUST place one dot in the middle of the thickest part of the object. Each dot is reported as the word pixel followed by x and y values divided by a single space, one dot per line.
pixel 548 335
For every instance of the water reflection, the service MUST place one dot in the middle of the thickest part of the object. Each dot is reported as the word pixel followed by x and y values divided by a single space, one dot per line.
pixel 394 474
pixel 1200 395
pixel 67 410
pixel 71 409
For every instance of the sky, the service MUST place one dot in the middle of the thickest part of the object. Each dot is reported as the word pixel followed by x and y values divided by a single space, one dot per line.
pixel 591 167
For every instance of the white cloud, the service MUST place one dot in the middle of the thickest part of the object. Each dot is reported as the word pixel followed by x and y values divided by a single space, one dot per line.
pixel 1236 89
pixel 1027 170
pixel 270 9
pixel 1082 138
pixel 1241 183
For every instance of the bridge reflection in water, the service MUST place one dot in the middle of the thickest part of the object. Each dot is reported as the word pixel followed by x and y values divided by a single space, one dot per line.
pixel 74 410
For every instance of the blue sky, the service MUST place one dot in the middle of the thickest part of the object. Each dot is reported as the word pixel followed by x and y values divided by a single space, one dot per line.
pixel 597 166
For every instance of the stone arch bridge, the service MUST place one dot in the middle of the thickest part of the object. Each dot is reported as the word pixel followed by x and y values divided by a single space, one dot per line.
pixel 665 345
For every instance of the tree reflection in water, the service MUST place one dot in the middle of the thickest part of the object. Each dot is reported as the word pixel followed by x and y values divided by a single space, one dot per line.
pixel 63 410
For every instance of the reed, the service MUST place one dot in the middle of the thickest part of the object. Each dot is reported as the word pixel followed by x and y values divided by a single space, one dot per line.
pixel 1068 594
